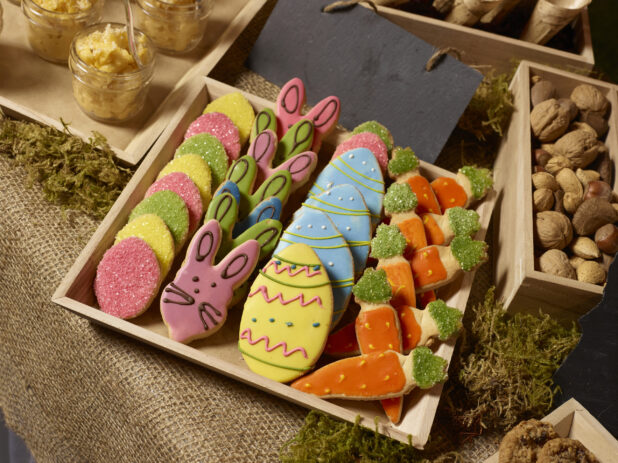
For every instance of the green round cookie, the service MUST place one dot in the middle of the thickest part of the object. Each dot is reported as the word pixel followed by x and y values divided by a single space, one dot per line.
pixel 379 130
pixel 171 208
pixel 211 150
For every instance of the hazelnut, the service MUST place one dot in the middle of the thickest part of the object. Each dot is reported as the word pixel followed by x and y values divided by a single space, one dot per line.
pixel 598 189
pixel 580 147
pixel 557 163
pixel 591 272
pixel 589 98
pixel 543 199
pixel 544 180
pixel 584 247
pixel 592 214
pixel 541 156
pixel 606 238
pixel 553 230
pixel 541 91
pixel 539 169
pixel 556 263
pixel 549 120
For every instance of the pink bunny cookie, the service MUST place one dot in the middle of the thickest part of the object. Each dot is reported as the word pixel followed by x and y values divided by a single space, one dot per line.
pixel 194 305
pixel 263 149
pixel 324 115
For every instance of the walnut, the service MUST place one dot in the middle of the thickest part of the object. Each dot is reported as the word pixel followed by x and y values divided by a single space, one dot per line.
pixel 557 263
pixel 589 98
pixel 580 147
pixel 544 180
pixel 582 126
pixel 557 163
pixel 549 120
pixel 543 199
pixel 553 230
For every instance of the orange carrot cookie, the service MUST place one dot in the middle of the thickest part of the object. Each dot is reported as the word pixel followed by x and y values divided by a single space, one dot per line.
pixel 375 376
pixel 456 221
pixel 399 204
pixel 470 185
pixel 403 168
pixel 435 266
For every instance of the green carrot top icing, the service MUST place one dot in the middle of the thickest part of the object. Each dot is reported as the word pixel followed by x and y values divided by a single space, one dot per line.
pixel 378 129
pixel 464 222
pixel 481 180
pixel 399 198
pixel 427 369
pixel 447 319
pixel 403 161
pixel 373 287
pixel 468 252
pixel 387 242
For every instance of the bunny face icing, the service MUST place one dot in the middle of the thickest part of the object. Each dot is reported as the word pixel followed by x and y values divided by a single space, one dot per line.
pixel 194 305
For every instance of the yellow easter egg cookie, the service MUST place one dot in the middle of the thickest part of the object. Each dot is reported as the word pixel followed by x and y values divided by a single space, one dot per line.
pixel 287 316
pixel 238 109
pixel 196 169
pixel 152 229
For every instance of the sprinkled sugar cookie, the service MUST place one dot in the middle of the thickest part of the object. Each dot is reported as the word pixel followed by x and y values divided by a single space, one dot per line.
pixel 196 169
pixel 127 278
pixel 211 150
pixel 375 376
pixel 346 207
pixel 171 208
pixel 359 168
pixel 194 305
pixel 152 229
pixel 286 318
pixel 315 229
pixel 367 140
pixel 238 109
pixel 378 129
pixel 221 127
pixel 184 187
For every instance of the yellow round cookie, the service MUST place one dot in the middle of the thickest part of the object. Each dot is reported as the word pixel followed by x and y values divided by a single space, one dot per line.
pixel 287 316
pixel 238 109
pixel 151 229
pixel 196 169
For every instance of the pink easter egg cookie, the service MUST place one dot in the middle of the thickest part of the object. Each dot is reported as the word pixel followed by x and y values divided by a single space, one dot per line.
pixel 365 140
pixel 127 278
pixel 183 186
pixel 222 127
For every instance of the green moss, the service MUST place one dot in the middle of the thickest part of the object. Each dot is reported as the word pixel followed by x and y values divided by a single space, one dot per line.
pixel 502 373
pixel 464 222
pixel 427 369
pixel 399 198
pixel 447 319
pixel 377 128
pixel 481 180
pixel 373 287
pixel 73 173
pixel 468 252
pixel 387 242
pixel 403 161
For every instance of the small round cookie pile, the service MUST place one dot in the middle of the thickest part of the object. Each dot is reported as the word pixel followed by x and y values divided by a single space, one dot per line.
pixel 536 441
pixel 131 271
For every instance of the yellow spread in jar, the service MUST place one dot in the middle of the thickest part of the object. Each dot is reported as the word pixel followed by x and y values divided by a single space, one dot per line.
pixel 108 51
pixel 65 6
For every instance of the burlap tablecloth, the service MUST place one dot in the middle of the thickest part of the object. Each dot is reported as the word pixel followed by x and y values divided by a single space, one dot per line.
pixel 79 392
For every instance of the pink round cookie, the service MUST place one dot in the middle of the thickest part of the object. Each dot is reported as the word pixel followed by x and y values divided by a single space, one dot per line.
pixel 222 127
pixel 127 278
pixel 365 140
pixel 184 187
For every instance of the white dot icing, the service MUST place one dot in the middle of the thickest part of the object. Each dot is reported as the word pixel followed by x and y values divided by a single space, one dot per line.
pixel 340 198
pixel 330 264
pixel 323 227
pixel 309 226
pixel 364 163
pixel 298 227
pixel 351 156
pixel 348 228
pixel 373 169
pixel 351 198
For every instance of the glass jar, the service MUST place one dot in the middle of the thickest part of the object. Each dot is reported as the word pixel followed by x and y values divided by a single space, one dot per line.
pixel 175 26
pixel 107 84
pixel 50 32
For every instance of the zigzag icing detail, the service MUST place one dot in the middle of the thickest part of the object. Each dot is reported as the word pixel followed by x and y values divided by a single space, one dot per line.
pixel 304 268
pixel 300 298
pixel 246 334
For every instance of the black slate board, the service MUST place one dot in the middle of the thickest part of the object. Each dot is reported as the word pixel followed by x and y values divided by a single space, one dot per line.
pixel 376 68
pixel 590 372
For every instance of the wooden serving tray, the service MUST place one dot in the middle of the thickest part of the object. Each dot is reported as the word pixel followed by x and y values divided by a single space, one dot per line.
pixel 572 420
pixel 220 351
pixel 521 286
pixel 481 48
pixel 39 85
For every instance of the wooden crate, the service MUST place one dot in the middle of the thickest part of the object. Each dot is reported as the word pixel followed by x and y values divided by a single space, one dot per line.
pixel 572 420
pixel 521 286
pixel 481 48
pixel 220 351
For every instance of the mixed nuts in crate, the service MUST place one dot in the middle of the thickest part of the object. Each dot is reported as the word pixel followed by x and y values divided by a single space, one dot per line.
pixel 296 278
pixel 574 202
